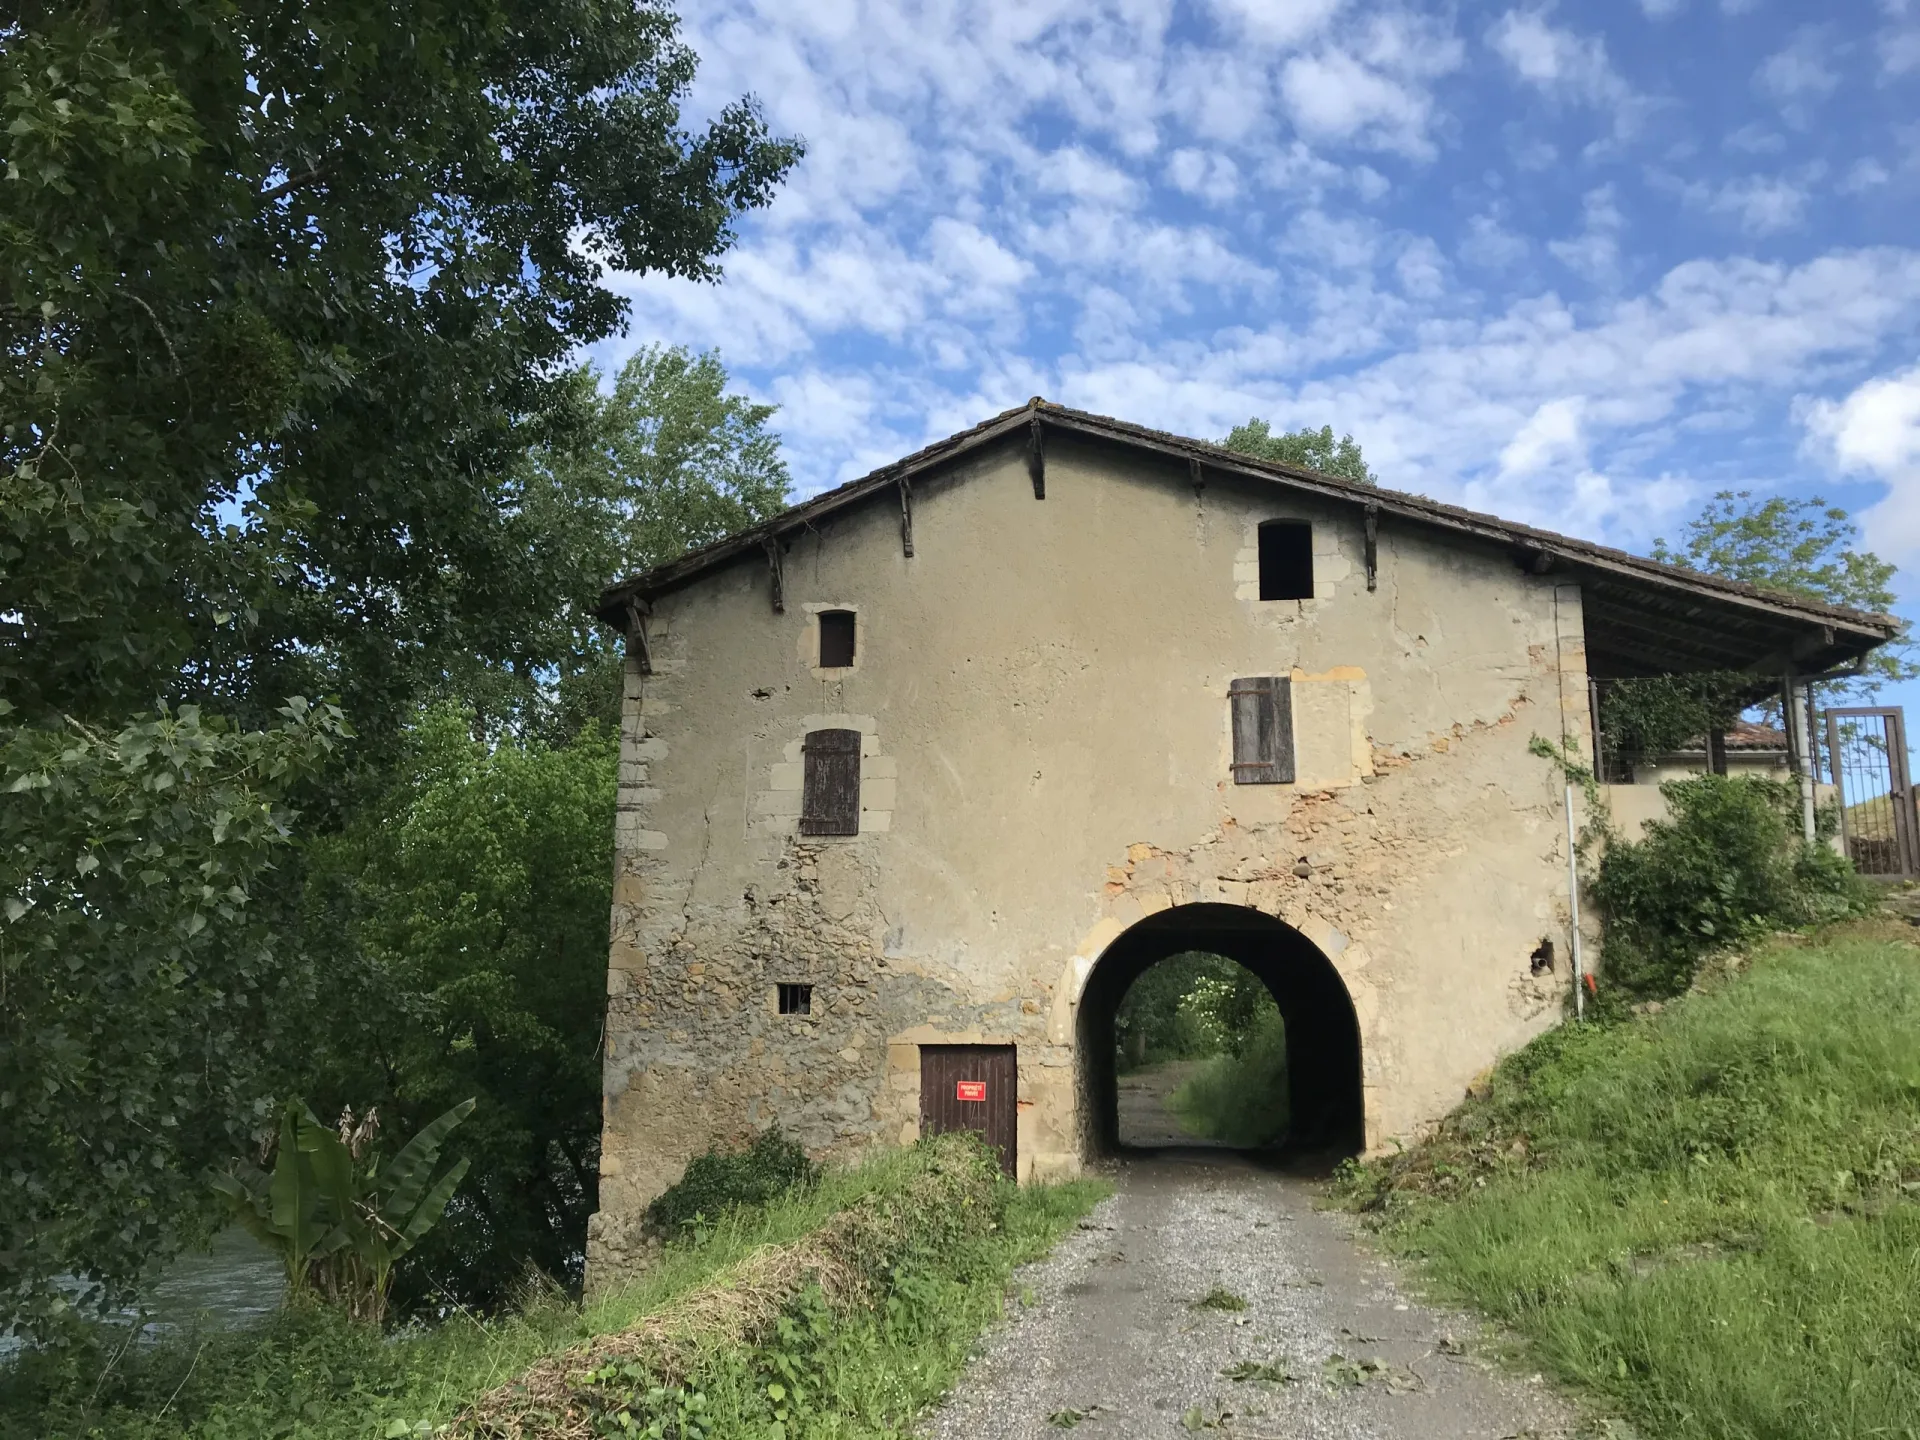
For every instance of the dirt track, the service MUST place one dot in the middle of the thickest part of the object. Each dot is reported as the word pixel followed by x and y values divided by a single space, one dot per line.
pixel 1108 1340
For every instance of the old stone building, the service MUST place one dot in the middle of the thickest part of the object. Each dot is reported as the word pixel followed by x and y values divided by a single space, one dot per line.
pixel 946 757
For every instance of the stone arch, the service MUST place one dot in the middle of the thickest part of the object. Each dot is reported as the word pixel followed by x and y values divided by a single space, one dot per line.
pixel 1323 1030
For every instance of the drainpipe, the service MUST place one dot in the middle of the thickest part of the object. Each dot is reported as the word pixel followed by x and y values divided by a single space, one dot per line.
pixel 1573 906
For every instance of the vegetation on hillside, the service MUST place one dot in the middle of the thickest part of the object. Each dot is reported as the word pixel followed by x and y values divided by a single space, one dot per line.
pixel 1707 1215
pixel 1727 864
pixel 863 1366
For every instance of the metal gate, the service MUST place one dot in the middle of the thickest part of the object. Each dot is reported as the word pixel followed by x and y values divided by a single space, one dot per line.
pixel 1867 752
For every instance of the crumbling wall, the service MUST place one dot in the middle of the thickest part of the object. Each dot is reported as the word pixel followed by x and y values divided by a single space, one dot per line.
pixel 1041 693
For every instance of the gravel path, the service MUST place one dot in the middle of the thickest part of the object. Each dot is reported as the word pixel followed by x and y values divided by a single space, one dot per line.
pixel 1108 1338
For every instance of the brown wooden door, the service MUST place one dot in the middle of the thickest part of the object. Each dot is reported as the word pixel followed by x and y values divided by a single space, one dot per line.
pixel 972 1087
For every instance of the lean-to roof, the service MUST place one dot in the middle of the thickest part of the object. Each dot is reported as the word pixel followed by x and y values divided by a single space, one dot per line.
pixel 1642 616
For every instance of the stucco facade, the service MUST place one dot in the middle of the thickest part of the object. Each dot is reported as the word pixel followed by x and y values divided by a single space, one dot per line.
pixel 1041 691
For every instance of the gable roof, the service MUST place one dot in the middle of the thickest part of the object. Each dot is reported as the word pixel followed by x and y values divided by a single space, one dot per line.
pixel 1643 617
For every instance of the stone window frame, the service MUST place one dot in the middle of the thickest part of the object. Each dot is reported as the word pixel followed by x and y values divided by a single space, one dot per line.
pixel 810 640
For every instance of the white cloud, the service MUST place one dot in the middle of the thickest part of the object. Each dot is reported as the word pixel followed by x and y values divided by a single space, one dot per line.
pixel 1555 60
pixel 1863 175
pixel 1491 245
pixel 1211 176
pixel 1876 430
pixel 1551 435
pixel 1277 23
pixel 1594 254
pixel 1761 204
pixel 1800 72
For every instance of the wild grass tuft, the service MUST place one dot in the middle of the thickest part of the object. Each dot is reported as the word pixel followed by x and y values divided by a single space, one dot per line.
pixel 1706 1215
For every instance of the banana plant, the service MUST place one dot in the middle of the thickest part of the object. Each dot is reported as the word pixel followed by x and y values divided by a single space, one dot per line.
pixel 336 1216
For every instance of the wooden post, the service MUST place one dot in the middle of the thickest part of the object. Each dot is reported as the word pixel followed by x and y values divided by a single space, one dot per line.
pixel 775 576
pixel 906 517
pixel 1373 546
pixel 637 646
pixel 1036 458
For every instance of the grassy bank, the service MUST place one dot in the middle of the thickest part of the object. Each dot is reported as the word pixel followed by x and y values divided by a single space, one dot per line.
pixel 1706 1216
pixel 310 1375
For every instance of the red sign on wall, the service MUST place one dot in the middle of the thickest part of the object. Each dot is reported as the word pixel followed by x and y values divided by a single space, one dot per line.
pixel 970 1090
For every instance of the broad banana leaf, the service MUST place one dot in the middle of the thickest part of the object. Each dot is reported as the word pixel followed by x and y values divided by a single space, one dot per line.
pixel 431 1207
pixel 405 1178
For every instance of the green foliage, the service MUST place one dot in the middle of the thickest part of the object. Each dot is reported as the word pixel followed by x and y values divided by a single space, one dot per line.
pixel 1188 1006
pixel 1241 1099
pixel 722 1181
pixel 468 913
pixel 315 276
pixel 1707 1216
pixel 1804 547
pixel 140 981
pixel 668 461
pixel 1658 714
pixel 337 1217
pixel 1306 448
pixel 283 303
pixel 311 1373
pixel 1729 863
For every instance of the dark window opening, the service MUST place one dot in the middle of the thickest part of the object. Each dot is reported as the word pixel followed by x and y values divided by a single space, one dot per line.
pixel 830 783
pixel 1262 708
pixel 836 639
pixel 1286 560
pixel 795 999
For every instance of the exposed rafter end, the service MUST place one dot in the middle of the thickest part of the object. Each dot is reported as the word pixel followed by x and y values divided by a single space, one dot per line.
pixel 906 517
pixel 1535 560
pixel 1037 458
pixel 775 575
pixel 1373 546
pixel 637 646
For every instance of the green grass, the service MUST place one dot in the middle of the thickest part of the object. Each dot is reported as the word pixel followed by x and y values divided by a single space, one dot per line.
pixel 308 1375
pixel 1706 1217
pixel 1239 1099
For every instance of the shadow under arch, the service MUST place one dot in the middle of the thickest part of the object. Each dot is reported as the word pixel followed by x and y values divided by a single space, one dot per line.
pixel 1322 1030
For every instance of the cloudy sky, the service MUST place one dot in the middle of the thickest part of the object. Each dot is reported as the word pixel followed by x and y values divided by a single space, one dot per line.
pixel 1578 264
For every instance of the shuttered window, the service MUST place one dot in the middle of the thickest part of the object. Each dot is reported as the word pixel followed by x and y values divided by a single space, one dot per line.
pixel 830 796
pixel 1262 730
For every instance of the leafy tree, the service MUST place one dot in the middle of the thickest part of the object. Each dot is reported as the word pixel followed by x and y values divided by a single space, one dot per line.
pixel 666 461
pixel 285 294
pixel 471 908
pixel 280 290
pixel 141 975
pixel 1308 449
pixel 1804 547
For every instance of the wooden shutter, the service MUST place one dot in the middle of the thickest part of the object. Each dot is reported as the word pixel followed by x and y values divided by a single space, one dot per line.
pixel 1262 730
pixel 830 798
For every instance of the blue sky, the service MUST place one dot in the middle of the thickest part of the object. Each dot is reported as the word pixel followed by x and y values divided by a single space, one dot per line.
pixel 1579 265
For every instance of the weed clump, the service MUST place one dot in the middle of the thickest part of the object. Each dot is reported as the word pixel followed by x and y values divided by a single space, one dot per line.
pixel 1729 864
pixel 1221 1298
pixel 725 1180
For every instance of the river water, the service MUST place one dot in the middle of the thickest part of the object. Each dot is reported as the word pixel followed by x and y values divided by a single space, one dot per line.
pixel 235 1281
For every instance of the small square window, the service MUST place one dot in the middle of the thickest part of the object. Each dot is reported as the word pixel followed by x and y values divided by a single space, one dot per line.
pixel 836 639
pixel 795 999
pixel 1286 560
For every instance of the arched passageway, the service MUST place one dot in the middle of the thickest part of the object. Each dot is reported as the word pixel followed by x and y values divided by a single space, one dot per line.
pixel 1323 1034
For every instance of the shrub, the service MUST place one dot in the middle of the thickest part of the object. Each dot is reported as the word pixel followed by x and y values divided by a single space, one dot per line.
pixel 723 1180
pixel 1241 1099
pixel 1729 863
